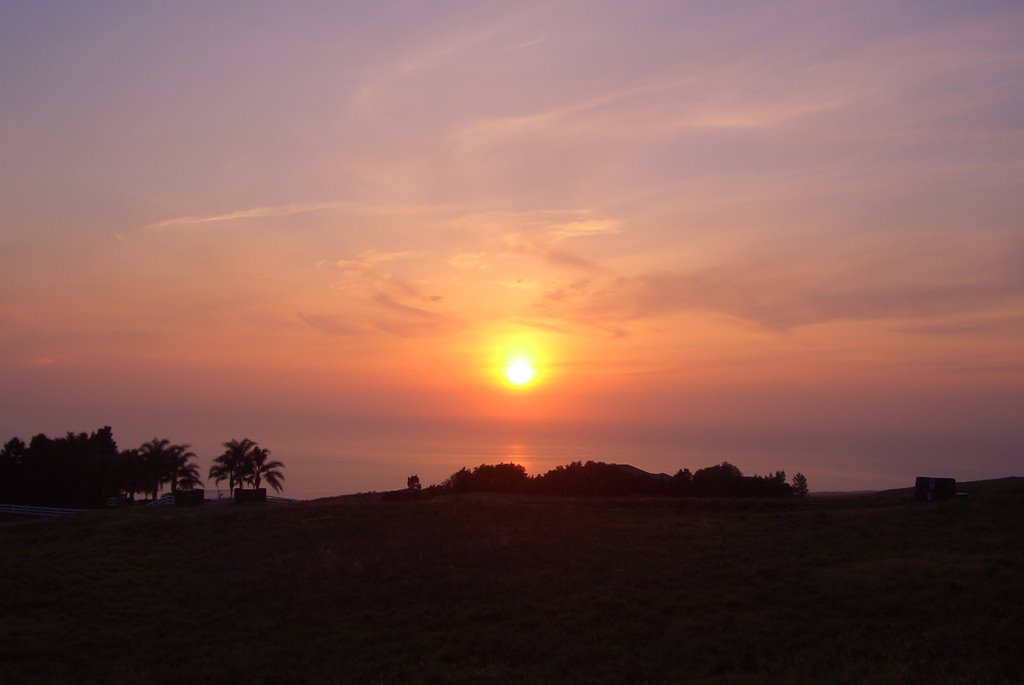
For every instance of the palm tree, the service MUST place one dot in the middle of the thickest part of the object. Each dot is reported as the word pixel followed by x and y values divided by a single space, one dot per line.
pixel 262 469
pixel 156 456
pixel 165 462
pixel 183 472
pixel 235 464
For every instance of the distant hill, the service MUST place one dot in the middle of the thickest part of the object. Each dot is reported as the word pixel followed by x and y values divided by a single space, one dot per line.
pixel 1004 485
pixel 1008 485
pixel 640 473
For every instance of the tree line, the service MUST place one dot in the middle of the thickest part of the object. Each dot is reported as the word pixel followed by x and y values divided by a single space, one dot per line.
pixel 88 469
pixel 599 479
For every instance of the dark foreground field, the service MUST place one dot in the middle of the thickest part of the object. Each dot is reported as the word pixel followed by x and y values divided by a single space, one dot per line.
pixel 505 589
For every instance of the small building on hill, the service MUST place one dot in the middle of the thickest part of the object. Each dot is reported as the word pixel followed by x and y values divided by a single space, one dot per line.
pixel 189 498
pixel 929 489
pixel 250 496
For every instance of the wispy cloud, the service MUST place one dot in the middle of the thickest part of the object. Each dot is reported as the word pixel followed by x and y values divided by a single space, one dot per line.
pixel 780 303
pixel 408 318
pixel 543 247
pixel 542 325
pixel 582 228
pixel 365 260
pixel 860 90
pixel 377 299
pixel 991 327
pixel 389 302
pixel 557 115
pixel 451 39
pixel 665 106
pixel 242 214
pixel 521 283
pixel 544 237
pixel 469 260
pixel 880 282
pixel 329 324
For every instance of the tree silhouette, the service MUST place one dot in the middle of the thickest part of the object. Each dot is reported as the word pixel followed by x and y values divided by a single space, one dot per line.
pixel 244 461
pixel 131 471
pixel 165 462
pixel 157 464
pixel 800 485
pixel 234 465
pixel 12 456
pixel 489 478
pixel 260 469
pixel 722 480
pixel 184 473
pixel 460 481
pixel 78 470
pixel 87 469
pixel 413 482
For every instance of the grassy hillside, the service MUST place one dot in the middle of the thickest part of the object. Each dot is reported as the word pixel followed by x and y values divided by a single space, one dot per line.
pixel 513 589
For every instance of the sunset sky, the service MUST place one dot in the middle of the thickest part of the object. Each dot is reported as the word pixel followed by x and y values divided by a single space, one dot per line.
pixel 790 235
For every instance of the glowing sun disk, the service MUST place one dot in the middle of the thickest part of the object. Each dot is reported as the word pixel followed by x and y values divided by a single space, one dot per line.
pixel 519 371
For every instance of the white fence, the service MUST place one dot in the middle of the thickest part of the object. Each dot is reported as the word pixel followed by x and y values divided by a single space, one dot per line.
pixel 42 512
pixel 166 500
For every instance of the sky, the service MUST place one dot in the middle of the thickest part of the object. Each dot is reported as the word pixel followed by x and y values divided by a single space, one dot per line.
pixel 790 235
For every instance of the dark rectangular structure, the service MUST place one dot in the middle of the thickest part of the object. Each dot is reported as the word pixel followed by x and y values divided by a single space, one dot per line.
pixel 254 496
pixel 930 489
pixel 189 498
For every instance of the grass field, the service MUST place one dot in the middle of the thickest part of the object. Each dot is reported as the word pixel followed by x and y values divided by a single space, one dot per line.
pixel 468 589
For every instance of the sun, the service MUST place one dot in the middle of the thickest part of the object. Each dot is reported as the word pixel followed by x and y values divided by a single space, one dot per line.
pixel 519 371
